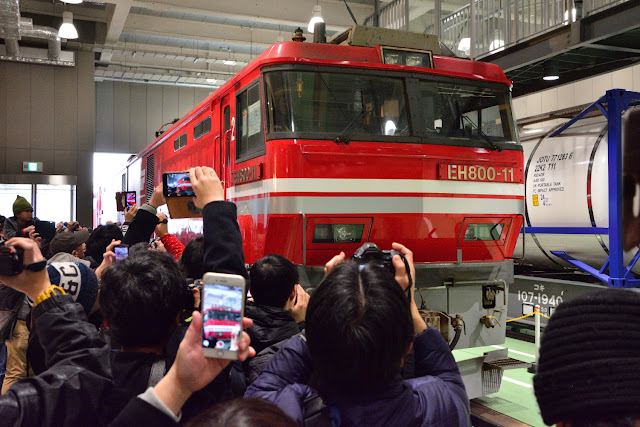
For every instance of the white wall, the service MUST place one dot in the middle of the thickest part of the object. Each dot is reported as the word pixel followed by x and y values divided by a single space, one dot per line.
pixel 577 93
pixel 129 114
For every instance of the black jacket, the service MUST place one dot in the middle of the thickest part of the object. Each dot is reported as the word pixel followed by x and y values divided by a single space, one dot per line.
pixel 271 326
pixel 222 254
pixel 141 228
pixel 71 391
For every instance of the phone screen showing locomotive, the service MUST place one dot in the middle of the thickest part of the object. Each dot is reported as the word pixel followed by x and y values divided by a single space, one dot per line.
pixel 131 199
pixel 121 252
pixel 221 316
pixel 178 184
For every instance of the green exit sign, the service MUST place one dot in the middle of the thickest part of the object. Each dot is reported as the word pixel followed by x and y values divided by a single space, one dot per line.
pixel 31 166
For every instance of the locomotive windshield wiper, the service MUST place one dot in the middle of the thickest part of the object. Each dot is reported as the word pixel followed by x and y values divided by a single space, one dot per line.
pixel 342 136
pixel 492 144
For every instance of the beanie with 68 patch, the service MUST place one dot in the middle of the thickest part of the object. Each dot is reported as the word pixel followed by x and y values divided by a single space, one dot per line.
pixel 77 280
pixel 589 363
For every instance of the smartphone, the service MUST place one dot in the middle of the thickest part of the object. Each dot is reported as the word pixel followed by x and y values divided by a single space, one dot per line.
pixel 223 299
pixel 121 251
pixel 177 184
pixel 125 199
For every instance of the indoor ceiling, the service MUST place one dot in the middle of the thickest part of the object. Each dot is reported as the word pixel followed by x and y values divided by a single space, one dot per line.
pixel 192 42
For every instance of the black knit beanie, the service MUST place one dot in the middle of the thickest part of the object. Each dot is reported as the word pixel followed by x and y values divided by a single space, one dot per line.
pixel 589 364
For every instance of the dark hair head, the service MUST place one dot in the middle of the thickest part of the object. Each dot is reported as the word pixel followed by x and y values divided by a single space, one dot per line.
pixel 272 280
pixel 100 238
pixel 249 412
pixel 358 327
pixel 138 248
pixel 191 260
pixel 141 297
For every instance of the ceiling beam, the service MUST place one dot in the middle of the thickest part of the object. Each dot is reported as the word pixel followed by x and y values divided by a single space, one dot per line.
pixel 275 12
pixel 117 19
pixel 158 50
pixel 50 9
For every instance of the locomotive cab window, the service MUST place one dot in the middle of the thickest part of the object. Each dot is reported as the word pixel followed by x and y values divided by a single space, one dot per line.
pixel 477 114
pixel 330 105
pixel 249 134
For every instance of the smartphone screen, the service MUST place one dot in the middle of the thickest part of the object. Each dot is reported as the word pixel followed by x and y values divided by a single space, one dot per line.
pixel 131 199
pixel 177 184
pixel 221 316
pixel 121 252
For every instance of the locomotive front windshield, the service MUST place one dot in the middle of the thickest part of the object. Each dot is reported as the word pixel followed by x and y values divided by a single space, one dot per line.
pixel 330 105
pixel 316 102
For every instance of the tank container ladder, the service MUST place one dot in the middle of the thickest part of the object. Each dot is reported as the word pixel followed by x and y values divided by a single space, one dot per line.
pixel 612 105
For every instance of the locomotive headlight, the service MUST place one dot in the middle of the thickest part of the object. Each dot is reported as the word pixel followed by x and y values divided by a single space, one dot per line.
pixel 322 234
pixel 338 233
pixel 344 233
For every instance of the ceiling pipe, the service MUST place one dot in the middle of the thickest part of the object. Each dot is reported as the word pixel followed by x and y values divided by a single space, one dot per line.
pixel 46 33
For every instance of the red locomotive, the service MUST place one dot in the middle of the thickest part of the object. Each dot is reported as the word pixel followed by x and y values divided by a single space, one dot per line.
pixel 326 146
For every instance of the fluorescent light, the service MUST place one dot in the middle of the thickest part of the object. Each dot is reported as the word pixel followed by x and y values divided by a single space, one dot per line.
pixel 229 62
pixel 551 71
pixel 464 45
pixel 72 1
pixel 67 30
pixel 530 131
pixel 211 80
pixel 315 18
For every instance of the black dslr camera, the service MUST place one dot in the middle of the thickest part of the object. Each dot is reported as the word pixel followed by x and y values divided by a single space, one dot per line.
pixel 10 260
pixel 370 253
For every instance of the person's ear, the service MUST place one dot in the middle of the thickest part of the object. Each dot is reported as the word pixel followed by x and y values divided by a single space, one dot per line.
pixel 292 295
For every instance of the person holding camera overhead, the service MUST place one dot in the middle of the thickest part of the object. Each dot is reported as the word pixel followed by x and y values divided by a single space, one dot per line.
pixel 360 324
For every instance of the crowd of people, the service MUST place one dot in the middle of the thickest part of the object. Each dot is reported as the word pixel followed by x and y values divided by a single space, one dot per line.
pixel 92 341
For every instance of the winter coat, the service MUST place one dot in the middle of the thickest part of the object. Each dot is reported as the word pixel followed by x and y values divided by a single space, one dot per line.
pixel 79 372
pixel 436 397
pixel 271 326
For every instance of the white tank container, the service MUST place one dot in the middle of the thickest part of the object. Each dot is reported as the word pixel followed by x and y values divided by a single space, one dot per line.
pixel 567 188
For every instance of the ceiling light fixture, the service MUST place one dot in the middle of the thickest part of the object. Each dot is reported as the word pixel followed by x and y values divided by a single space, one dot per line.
pixel 315 18
pixel 550 71
pixel 72 1
pixel 67 30
pixel 229 62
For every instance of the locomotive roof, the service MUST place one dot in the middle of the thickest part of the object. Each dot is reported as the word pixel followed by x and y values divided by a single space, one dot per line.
pixel 343 56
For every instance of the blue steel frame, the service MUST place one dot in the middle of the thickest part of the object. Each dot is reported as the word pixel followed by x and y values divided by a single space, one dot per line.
pixel 617 101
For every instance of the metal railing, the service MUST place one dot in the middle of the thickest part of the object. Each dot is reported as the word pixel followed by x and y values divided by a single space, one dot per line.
pixel 486 26
pixel 393 15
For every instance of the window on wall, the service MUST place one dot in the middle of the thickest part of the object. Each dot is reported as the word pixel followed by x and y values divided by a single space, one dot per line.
pixel 8 194
pixel 249 134
pixel 202 128
pixel 180 142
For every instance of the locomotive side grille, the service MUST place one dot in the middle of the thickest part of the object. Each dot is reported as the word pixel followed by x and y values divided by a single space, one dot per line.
pixel 149 176
pixel 124 181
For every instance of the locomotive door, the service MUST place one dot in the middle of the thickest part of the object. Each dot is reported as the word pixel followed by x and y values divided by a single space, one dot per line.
pixel 226 135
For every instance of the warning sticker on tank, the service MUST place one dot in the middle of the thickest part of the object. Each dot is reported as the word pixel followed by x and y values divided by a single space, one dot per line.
pixel 535 200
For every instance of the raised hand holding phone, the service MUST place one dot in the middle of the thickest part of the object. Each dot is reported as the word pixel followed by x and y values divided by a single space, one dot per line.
pixel 206 185
pixel 223 300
